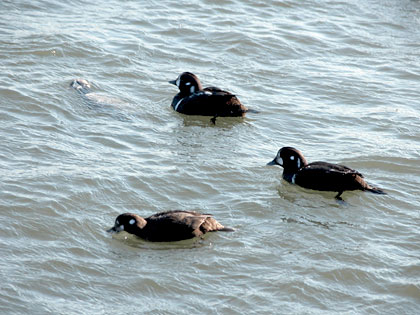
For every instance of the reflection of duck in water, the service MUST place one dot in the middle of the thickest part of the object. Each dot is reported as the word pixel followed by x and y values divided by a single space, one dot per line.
pixel 168 226
pixel 193 99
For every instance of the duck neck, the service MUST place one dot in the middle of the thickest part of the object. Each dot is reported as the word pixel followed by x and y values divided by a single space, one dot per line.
pixel 289 176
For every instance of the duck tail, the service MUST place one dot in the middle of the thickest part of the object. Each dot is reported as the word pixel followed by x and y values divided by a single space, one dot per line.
pixel 376 190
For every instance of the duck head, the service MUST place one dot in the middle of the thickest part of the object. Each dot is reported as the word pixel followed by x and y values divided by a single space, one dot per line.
pixel 290 159
pixel 188 83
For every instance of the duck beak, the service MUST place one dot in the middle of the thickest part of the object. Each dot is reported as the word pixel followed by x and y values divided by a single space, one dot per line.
pixel 115 229
pixel 112 230
pixel 273 162
pixel 172 82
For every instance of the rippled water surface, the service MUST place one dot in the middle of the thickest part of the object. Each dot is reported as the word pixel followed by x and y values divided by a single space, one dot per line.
pixel 339 80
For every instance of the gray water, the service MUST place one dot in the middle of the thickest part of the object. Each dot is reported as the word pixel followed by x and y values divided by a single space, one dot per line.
pixel 339 80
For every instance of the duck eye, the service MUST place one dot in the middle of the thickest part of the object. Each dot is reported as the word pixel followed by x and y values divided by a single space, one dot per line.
pixel 188 83
pixel 292 157
pixel 132 221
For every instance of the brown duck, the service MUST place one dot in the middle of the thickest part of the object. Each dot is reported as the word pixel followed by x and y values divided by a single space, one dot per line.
pixel 168 226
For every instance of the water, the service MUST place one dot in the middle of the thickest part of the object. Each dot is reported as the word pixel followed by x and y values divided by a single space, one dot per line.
pixel 338 80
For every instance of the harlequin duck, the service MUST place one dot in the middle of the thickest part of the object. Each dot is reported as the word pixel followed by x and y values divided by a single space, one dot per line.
pixel 192 99
pixel 81 85
pixel 320 175
pixel 168 226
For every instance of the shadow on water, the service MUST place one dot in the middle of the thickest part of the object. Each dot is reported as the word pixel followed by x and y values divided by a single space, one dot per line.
pixel 136 242
pixel 205 121
pixel 313 198
pixel 315 201
pixel 307 221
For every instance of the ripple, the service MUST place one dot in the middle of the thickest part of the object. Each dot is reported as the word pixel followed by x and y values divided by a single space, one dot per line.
pixel 337 80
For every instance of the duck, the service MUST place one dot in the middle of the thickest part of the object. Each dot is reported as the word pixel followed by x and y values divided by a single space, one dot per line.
pixel 81 85
pixel 168 226
pixel 193 99
pixel 322 176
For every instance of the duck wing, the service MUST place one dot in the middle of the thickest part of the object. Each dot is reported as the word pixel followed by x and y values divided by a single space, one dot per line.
pixel 173 225
pixel 329 177
pixel 203 223
pixel 210 101
pixel 227 103
pixel 218 91
pixel 334 168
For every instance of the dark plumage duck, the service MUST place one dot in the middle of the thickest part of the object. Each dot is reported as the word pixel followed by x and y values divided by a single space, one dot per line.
pixel 319 175
pixel 193 99
pixel 168 226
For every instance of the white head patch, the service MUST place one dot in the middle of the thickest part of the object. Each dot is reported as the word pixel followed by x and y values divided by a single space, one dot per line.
pixel 298 163
pixel 132 221
pixel 280 160
pixel 178 81
pixel 192 89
